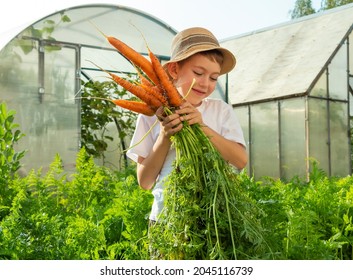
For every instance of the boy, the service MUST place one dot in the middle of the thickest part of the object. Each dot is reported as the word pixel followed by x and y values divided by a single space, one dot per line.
pixel 197 59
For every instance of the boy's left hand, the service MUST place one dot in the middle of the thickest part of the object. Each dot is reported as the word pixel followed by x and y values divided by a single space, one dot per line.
pixel 189 113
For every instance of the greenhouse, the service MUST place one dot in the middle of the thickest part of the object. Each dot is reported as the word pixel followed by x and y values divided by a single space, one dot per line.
pixel 43 67
pixel 291 87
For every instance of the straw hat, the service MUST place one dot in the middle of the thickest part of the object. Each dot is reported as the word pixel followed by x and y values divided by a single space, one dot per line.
pixel 197 39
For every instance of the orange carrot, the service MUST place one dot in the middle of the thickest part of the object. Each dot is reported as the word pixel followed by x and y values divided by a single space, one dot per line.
pixel 136 58
pixel 137 91
pixel 143 79
pixel 174 97
pixel 156 92
pixel 135 106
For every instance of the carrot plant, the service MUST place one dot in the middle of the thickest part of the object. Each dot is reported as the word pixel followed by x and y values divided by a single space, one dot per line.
pixel 207 213
pixel 307 220
pixel 95 214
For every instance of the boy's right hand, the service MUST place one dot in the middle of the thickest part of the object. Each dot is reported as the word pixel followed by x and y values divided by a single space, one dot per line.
pixel 169 124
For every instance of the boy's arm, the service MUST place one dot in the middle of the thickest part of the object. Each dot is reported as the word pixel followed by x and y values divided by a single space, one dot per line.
pixel 148 168
pixel 231 151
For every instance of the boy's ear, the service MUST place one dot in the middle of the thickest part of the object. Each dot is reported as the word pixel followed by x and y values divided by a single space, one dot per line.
pixel 172 70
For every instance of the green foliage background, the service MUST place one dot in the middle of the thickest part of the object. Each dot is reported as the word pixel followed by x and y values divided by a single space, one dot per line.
pixel 96 214
pixel 98 112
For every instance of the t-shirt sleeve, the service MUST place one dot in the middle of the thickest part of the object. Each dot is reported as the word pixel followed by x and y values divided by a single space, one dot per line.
pixel 141 142
pixel 231 128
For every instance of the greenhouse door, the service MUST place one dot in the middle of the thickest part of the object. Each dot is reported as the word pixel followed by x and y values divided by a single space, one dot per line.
pixel 59 84
pixel 54 124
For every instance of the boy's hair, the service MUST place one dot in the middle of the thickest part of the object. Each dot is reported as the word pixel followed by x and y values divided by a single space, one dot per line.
pixel 213 55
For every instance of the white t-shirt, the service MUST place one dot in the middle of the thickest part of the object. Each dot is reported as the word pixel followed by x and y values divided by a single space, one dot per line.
pixel 216 114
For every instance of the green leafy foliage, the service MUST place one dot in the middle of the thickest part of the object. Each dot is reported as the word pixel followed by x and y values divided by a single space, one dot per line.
pixel 100 214
pixel 9 157
pixel 304 7
pixel 97 115
pixel 308 219
pixel 9 136
pixel 45 32
pixel 207 214
pixel 90 216
pixel 329 4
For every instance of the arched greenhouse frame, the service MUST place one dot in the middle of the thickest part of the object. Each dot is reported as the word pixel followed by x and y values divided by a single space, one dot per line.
pixel 44 66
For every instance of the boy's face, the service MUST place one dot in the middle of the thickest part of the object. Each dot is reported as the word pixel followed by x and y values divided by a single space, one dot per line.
pixel 205 72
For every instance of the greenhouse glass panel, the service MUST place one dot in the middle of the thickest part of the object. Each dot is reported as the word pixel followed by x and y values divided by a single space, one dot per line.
pixel 293 142
pixel 243 117
pixel 59 73
pixel 19 71
pixel 219 92
pixel 320 88
pixel 19 89
pixel 340 152
pixel 338 75
pixel 264 140
pixel 318 133
pixel 94 59
pixel 54 120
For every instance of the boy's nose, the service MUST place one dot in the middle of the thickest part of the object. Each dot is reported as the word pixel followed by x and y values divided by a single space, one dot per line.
pixel 203 81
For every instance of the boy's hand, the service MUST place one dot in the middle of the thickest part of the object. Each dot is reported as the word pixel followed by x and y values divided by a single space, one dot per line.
pixel 169 124
pixel 189 113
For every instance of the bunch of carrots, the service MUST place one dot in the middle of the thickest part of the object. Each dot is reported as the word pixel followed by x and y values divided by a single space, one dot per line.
pixel 154 89
pixel 206 214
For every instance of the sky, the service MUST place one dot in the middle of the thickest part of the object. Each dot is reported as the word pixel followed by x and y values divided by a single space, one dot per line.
pixel 224 18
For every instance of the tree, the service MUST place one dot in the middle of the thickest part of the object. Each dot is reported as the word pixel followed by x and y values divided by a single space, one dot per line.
pixel 329 4
pixel 302 8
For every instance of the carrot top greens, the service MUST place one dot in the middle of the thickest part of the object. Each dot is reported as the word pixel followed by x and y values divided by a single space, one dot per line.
pixel 207 214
